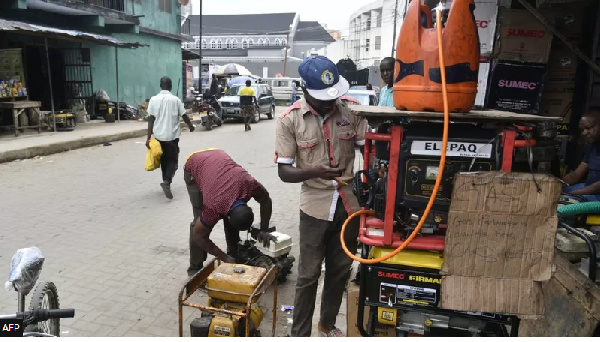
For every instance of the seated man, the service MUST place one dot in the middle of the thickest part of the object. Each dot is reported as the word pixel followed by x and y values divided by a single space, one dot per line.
pixel 220 189
pixel 585 180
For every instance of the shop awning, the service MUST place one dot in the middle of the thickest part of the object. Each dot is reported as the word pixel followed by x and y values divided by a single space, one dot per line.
pixel 188 55
pixel 73 35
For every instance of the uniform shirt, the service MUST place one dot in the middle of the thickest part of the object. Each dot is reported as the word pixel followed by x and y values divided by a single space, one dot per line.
pixel 303 137
pixel 592 159
pixel 222 182
pixel 167 109
pixel 246 96
pixel 386 98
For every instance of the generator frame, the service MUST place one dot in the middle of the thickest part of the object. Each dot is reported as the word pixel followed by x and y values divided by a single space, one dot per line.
pixel 199 280
pixel 397 119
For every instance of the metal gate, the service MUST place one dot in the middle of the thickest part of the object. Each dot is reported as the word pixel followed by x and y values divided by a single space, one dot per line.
pixel 78 77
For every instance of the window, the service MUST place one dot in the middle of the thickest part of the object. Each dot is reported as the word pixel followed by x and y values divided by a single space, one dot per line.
pixel 244 43
pixel 250 42
pixel 204 45
pixel 164 5
pixel 228 44
pixel 367 44
pixel 377 43
pixel 197 44
pixel 234 43
pixel 213 44
pixel 261 42
pixel 267 42
pixel 379 16
pixel 284 42
pixel 368 23
pixel 219 44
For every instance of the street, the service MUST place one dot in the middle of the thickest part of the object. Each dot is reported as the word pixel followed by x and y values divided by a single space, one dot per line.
pixel 116 248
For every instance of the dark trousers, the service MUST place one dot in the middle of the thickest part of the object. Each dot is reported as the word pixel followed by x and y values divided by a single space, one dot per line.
pixel 320 240
pixel 169 159
pixel 232 235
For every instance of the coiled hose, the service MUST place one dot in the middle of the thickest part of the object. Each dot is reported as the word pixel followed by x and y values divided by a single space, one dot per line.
pixel 439 176
pixel 578 209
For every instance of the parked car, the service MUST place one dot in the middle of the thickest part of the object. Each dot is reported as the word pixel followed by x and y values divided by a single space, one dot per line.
pixel 365 97
pixel 230 103
pixel 377 90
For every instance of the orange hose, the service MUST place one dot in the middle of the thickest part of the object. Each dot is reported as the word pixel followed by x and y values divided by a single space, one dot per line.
pixel 439 176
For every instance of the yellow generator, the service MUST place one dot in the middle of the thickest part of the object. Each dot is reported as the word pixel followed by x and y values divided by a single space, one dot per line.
pixel 233 292
pixel 404 292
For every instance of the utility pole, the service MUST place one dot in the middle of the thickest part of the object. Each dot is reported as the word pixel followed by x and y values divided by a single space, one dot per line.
pixel 287 43
pixel 200 49
pixel 395 26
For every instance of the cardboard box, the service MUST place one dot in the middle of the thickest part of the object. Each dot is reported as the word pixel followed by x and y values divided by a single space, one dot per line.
pixel 486 13
pixel 543 3
pixel 351 316
pixel 567 18
pixel 516 87
pixel 521 37
pixel 500 242
pixel 557 105
pixel 562 64
pixel 482 84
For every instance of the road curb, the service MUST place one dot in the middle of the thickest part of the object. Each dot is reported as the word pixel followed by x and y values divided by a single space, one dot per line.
pixel 63 146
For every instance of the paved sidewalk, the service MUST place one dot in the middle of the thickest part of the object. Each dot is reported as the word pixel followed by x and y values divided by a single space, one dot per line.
pixel 31 144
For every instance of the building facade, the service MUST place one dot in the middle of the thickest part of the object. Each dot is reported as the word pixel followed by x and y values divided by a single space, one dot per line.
pixel 268 45
pixel 85 67
pixel 371 31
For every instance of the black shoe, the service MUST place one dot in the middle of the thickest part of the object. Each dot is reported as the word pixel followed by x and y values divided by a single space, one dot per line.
pixel 167 190
pixel 192 271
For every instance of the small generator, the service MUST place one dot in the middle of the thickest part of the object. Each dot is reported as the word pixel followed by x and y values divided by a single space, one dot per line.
pixel 398 177
pixel 232 308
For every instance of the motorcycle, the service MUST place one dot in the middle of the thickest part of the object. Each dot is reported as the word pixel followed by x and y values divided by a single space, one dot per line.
pixel 211 106
pixel 43 317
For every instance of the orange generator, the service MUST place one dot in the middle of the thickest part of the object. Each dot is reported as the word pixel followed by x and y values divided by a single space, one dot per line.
pixel 417 82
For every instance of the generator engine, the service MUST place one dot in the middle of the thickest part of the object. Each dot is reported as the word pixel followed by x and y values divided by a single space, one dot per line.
pixel 471 148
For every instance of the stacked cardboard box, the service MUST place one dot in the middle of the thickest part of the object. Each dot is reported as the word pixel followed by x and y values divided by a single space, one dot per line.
pixel 557 99
pixel 518 72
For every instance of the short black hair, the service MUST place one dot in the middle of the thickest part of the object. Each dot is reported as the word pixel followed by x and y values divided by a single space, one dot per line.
pixel 388 60
pixel 166 83
pixel 241 217
pixel 248 83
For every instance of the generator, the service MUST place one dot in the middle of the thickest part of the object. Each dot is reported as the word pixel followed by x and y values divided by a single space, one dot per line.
pixel 400 167
pixel 407 155
pixel 233 291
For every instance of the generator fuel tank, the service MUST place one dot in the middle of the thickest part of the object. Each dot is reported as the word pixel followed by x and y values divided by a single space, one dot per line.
pixel 417 82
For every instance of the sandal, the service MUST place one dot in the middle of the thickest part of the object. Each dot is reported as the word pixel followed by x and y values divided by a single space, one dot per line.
pixel 335 332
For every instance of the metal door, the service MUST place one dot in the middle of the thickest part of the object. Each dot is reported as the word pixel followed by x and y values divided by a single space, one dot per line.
pixel 78 77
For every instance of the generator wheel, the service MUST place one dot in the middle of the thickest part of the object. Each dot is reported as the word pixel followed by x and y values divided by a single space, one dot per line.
pixel 45 297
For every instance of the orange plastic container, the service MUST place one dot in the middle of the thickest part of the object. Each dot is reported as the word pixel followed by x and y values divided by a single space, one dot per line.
pixel 417 82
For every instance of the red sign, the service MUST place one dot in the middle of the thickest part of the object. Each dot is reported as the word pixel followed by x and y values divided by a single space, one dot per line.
pixel 279 74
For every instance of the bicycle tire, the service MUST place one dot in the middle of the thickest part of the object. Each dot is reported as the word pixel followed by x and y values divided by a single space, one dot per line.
pixel 42 291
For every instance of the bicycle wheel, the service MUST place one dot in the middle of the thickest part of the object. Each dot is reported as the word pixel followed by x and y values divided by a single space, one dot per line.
pixel 45 296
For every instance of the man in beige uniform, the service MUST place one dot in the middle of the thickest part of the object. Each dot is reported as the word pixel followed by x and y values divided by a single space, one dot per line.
pixel 318 134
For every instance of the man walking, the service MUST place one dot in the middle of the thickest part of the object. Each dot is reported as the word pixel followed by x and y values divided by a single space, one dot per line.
pixel 386 67
pixel 164 111
pixel 318 134
pixel 294 92
pixel 247 99
pixel 220 189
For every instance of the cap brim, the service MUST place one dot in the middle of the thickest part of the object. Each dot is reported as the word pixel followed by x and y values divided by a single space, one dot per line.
pixel 334 92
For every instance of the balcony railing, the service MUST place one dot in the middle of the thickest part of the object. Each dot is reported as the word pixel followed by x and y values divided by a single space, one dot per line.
pixel 125 6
